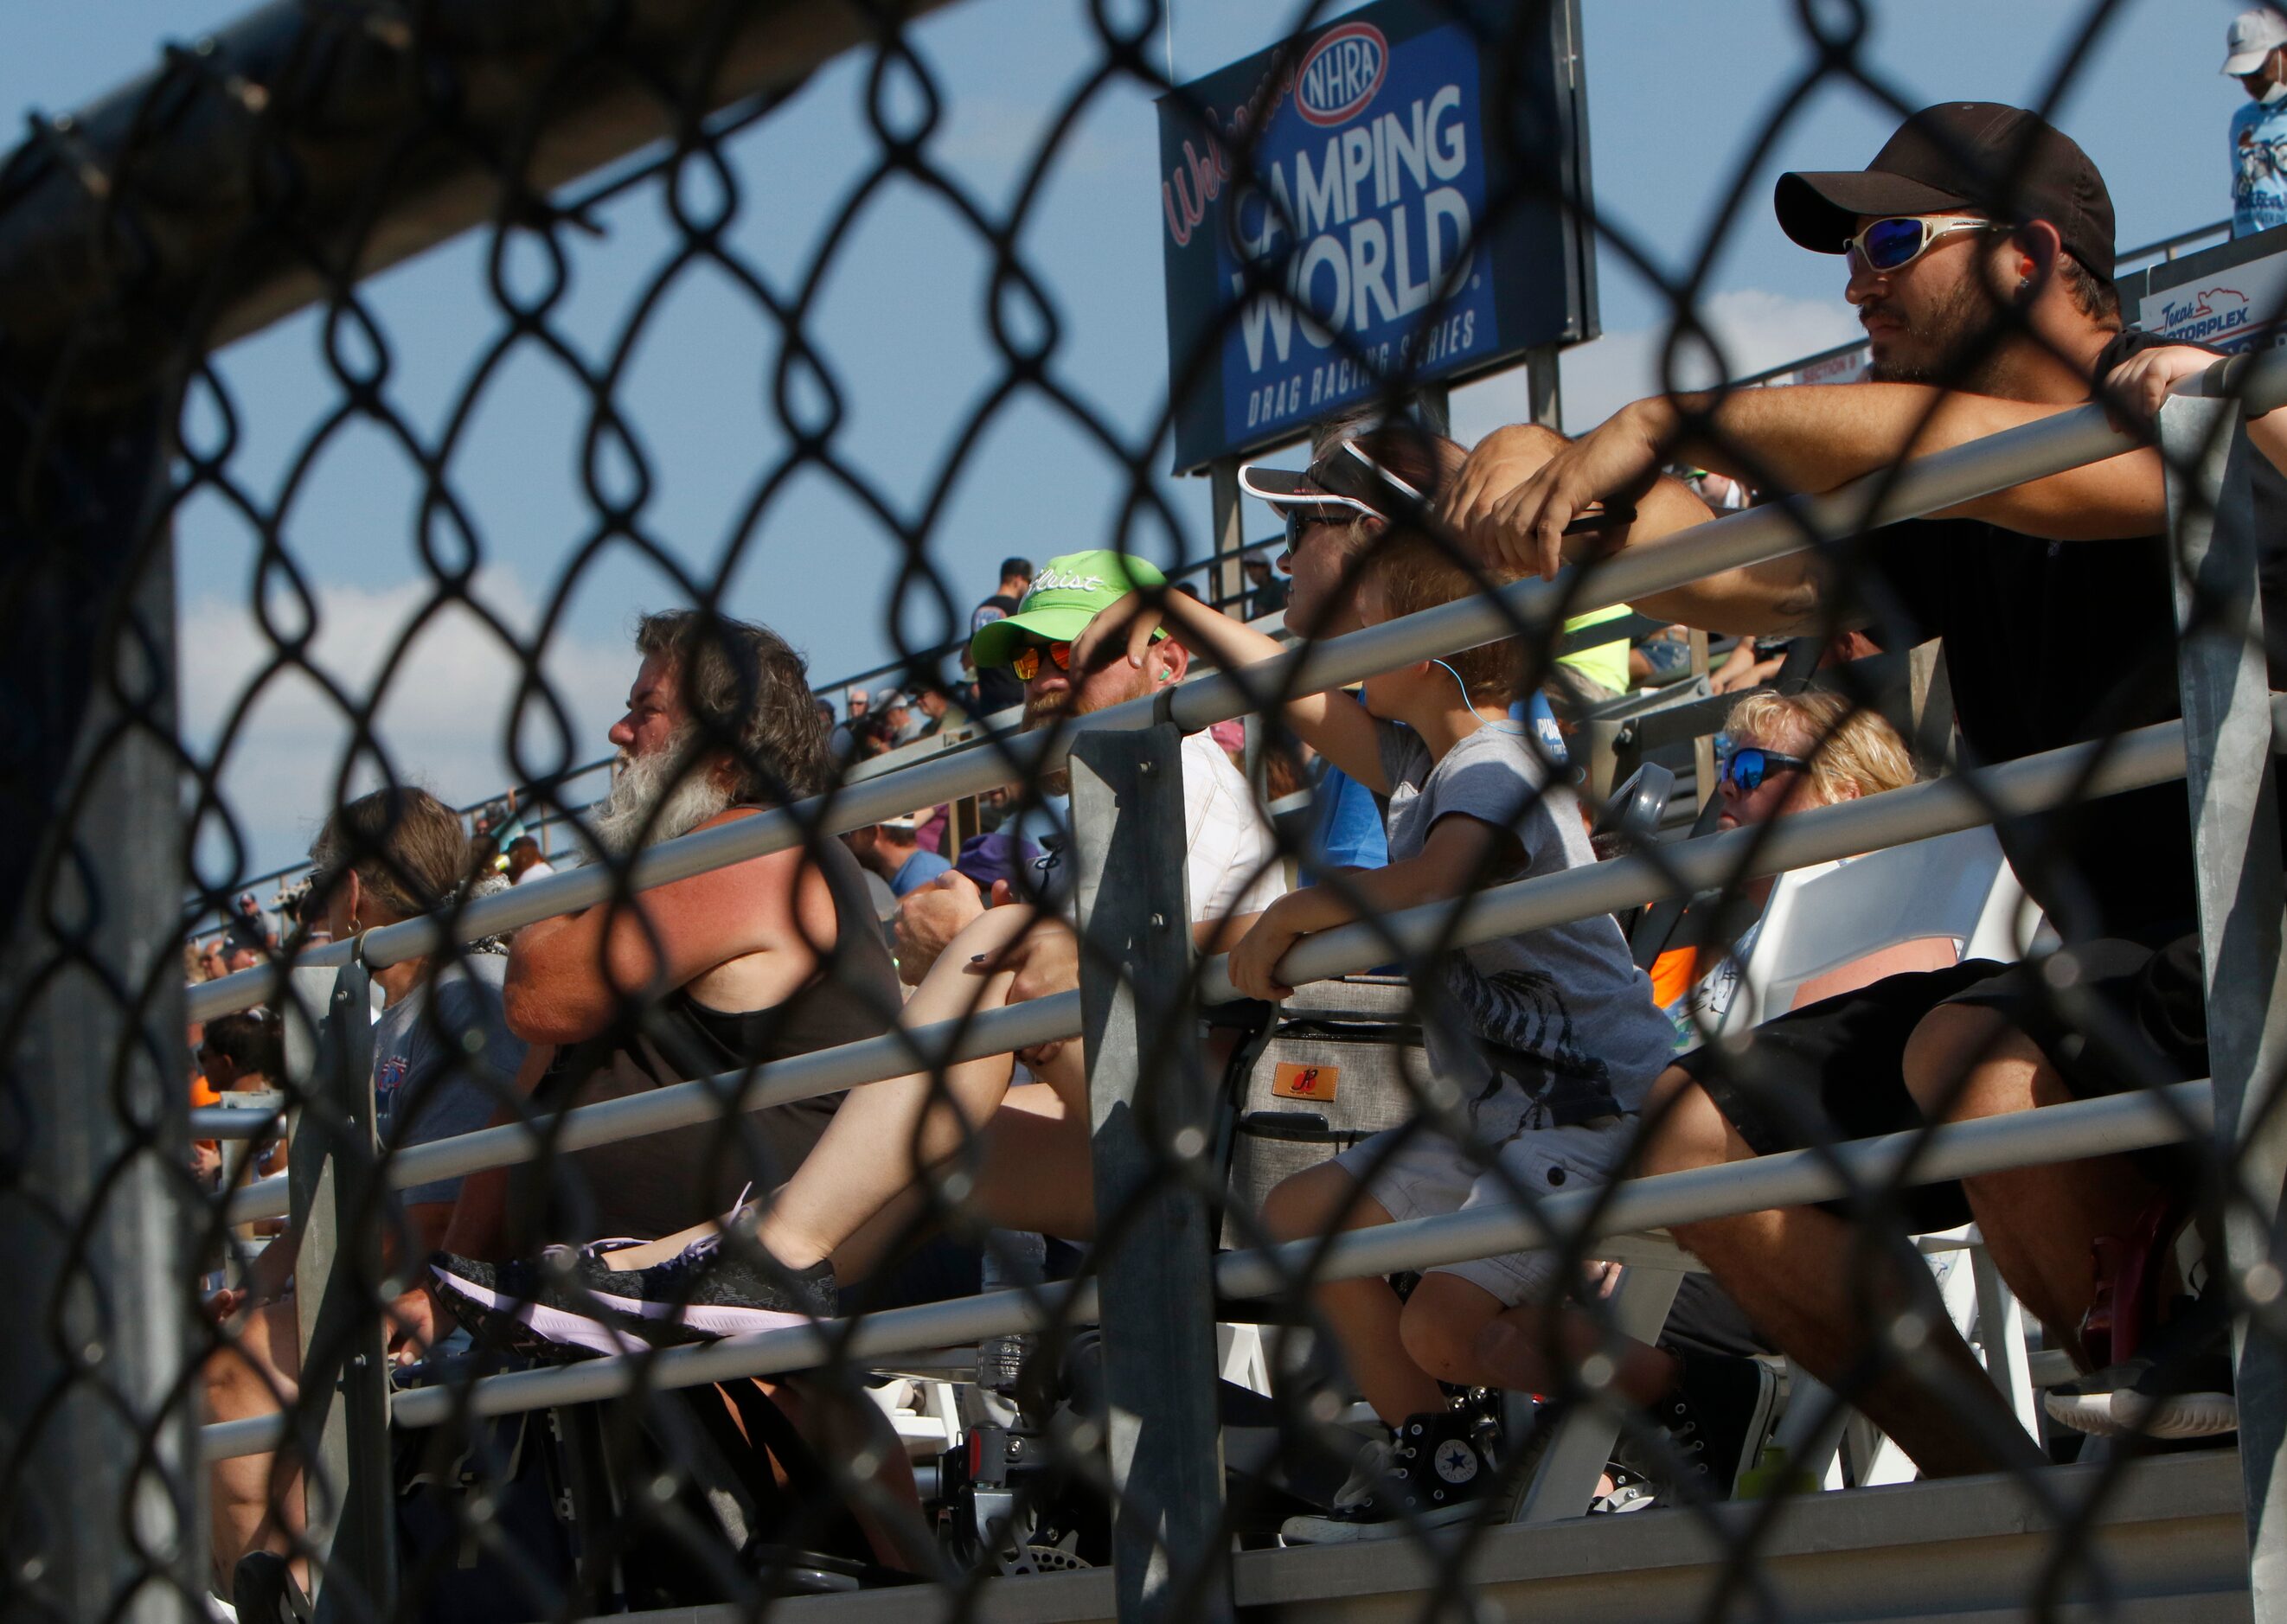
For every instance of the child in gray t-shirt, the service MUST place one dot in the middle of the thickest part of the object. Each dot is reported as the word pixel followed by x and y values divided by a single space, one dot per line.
pixel 1543 1045
pixel 1553 1027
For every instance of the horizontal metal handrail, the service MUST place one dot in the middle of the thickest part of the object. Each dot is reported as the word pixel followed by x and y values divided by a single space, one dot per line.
pixel 1979 467
pixel 2145 756
pixel 2051 1134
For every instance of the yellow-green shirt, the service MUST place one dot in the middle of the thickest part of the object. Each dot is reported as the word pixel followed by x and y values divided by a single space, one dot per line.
pixel 1607 662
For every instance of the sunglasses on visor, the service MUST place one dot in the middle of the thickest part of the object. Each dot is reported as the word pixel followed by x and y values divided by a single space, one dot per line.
pixel 1026 664
pixel 1896 243
pixel 1352 485
pixel 1749 767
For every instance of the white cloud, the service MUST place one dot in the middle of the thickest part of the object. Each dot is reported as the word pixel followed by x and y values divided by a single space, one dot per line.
pixel 444 720
pixel 1755 329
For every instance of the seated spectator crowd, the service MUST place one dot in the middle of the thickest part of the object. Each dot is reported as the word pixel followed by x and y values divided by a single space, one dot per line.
pixel 1561 1057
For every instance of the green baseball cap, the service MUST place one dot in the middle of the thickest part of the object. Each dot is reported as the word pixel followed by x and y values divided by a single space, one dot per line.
pixel 1064 598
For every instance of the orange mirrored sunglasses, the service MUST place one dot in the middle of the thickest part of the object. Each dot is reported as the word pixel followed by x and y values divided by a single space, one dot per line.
pixel 1027 662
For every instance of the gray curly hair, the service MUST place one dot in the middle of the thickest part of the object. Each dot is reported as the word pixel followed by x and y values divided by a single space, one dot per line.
pixel 749 692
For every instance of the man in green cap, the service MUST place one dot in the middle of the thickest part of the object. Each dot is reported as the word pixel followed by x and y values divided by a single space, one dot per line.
pixel 1231 867
pixel 863 1188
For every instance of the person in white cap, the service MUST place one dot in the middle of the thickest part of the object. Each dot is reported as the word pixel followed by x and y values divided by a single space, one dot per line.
pixel 2254 45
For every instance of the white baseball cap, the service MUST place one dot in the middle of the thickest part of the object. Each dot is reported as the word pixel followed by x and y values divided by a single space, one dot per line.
pixel 2252 36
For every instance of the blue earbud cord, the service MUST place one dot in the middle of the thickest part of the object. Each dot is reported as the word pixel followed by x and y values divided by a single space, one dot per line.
pixel 1498 726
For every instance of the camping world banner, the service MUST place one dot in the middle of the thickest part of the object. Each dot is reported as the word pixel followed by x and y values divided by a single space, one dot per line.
pixel 1386 195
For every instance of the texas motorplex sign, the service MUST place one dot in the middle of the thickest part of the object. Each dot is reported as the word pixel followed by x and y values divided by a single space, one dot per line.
pixel 1373 146
pixel 2222 296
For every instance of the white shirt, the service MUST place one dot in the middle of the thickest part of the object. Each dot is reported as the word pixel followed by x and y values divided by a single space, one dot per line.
pixel 1231 863
pixel 1231 857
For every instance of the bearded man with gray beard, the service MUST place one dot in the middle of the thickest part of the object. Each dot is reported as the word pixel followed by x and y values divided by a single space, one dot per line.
pixel 776 956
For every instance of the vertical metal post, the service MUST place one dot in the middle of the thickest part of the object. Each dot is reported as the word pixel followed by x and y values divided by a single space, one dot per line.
pixel 1149 1106
pixel 1543 386
pixel 348 1499
pixel 1228 579
pixel 103 1497
pixel 1702 747
pixel 1929 708
pixel 2234 795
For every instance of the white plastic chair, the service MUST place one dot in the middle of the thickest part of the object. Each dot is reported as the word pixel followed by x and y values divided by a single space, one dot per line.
pixel 1823 917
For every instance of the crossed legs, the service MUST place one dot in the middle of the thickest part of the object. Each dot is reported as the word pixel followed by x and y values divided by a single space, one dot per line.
pixel 1822 1289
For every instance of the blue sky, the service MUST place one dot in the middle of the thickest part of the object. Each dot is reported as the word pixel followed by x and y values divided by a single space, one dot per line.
pixel 1680 91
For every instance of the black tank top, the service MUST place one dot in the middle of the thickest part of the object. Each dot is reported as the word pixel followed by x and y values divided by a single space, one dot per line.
pixel 662 1182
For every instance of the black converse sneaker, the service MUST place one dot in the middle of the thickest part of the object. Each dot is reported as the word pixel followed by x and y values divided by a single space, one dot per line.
pixel 1715 1419
pixel 1432 1470
pixel 573 1299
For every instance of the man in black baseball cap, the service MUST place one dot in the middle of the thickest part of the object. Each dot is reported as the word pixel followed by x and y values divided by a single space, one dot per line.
pixel 1979 253
pixel 1978 157
pixel 1959 180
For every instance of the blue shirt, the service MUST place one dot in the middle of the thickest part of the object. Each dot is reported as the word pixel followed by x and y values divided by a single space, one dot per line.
pixel 917 872
pixel 1347 833
pixel 2258 167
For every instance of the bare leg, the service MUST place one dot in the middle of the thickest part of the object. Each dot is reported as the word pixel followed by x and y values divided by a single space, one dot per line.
pixel 883 1134
pixel 1801 1276
pixel 2038 1222
pixel 1362 1314
pixel 258 1498
pixel 1033 1176
pixel 1510 1348
pixel 848 1429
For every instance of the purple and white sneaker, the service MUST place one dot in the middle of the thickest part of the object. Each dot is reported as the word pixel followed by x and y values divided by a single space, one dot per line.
pixel 573 1299
pixel 523 1305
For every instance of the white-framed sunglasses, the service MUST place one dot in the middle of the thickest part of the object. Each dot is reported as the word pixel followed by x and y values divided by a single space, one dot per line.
pixel 1893 243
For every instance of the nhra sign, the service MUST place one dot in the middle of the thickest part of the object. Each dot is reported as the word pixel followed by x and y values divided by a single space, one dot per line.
pixel 1383 136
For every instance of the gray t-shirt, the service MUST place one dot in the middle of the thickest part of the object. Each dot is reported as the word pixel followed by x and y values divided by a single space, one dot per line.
pixel 1559 1021
pixel 442 1070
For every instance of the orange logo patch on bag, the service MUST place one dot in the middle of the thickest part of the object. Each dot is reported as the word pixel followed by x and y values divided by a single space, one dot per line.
pixel 1292 1081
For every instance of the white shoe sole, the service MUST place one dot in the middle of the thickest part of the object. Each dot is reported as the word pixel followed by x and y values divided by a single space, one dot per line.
pixel 707 1318
pixel 549 1324
pixel 2198 1415
pixel 1335 1531
pixel 2118 1415
pixel 576 1330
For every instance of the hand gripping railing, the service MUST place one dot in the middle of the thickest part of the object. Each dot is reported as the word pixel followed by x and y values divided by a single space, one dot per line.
pixel 1979 467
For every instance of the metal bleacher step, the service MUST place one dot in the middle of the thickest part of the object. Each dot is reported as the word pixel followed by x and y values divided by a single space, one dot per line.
pixel 2168 1539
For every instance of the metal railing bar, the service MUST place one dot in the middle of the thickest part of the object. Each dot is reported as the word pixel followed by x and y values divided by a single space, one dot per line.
pixel 1962 473
pixel 2051 1134
pixel 682 1105
pixel 2131 760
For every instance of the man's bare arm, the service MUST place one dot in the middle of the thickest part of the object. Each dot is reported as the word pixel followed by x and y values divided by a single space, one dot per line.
pixel 568 976
pixel 1817 436
pixel 1781 596
pixel 1809 437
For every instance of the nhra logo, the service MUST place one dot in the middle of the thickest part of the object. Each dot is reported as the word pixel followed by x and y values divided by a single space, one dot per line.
pixel 1340 76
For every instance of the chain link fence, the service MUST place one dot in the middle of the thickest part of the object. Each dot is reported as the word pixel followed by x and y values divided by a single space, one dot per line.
pixel 1783 1137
